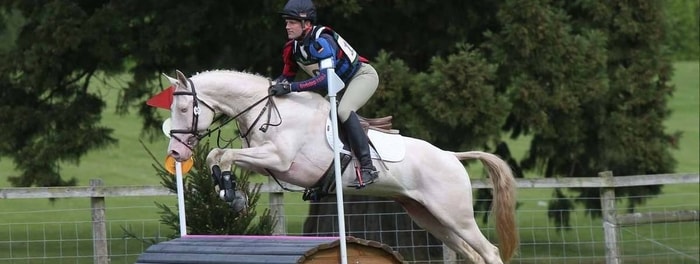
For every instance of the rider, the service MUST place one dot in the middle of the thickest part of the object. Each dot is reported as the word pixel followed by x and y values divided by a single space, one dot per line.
pixel 314 49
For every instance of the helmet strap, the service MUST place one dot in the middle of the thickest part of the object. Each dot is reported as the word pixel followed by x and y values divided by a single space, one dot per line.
pixel 305 30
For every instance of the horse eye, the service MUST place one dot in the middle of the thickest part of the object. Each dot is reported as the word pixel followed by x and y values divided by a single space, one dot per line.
pixel 183 110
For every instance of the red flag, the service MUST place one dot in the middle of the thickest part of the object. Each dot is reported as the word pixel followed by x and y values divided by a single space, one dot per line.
pixel 162 100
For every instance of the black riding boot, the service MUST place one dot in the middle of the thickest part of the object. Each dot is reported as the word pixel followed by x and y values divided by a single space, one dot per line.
pixel 359 143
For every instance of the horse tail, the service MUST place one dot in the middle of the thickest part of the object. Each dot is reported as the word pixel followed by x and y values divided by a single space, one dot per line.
pixel 504 199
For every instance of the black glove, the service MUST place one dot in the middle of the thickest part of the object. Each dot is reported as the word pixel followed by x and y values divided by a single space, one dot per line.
pixel 280 79
pixel 280 89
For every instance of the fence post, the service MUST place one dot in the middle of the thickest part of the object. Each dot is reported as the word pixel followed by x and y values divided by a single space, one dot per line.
pixel 277 208
pixel 609 212
pixel 99 230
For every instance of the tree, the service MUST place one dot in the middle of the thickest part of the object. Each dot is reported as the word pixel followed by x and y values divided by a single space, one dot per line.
pixel 426 103
pixel 49 115
pixel 207 213
pixel 428 29
pixel 589 84
pixel 683 29
pixel 631 136
pixel 50 111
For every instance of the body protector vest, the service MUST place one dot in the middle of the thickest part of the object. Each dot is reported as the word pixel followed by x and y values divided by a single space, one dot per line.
pixel 345 59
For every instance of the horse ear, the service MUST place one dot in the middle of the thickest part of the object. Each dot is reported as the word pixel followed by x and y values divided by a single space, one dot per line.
pixel 181 77
pixel 174 82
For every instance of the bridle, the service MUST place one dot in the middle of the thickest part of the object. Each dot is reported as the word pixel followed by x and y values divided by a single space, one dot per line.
pixel 195 118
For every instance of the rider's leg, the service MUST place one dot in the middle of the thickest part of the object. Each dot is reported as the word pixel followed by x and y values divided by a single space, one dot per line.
pixel 360 146
pixel 360 89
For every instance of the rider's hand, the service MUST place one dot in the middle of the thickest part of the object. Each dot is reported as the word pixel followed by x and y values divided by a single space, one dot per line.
pixel 280 89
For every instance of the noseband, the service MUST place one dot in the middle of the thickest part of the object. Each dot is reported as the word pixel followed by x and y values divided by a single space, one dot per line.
pixel 195 117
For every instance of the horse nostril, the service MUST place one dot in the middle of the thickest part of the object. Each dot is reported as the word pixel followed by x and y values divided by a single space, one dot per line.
pixel 175 154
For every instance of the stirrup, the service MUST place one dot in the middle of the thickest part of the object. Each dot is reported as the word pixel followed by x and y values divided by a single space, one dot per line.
pixel 361 181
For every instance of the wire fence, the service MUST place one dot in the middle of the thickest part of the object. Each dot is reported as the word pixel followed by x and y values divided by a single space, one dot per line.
pixel 41 230
pixel 62 232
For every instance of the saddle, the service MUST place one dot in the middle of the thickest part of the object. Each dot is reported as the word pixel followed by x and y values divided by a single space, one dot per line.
pixel 382 124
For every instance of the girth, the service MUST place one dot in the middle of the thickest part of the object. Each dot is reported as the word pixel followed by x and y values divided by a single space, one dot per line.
pixel 326 184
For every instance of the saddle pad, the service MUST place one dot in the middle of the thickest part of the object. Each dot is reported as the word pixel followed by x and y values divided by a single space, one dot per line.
pixel 389 147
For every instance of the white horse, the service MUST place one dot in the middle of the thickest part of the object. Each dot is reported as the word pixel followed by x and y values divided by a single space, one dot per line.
pixel 431 184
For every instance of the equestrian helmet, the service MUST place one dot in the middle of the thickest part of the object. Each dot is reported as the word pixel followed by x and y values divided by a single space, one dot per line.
pixel 299 10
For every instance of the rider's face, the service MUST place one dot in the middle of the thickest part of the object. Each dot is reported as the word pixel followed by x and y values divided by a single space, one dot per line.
pixel 295 28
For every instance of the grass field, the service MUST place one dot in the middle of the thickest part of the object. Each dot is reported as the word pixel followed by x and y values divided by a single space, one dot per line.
pixel 129 164
pixel 686 115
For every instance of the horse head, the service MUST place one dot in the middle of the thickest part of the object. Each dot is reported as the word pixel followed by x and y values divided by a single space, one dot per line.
pixel 190 117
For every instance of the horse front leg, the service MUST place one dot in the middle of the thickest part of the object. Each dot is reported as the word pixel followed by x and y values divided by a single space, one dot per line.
pixel 258 158
pixel 225 182
pixel 220 162
pixel 214 159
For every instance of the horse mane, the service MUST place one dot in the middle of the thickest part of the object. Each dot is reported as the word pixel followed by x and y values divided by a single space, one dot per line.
pixel 248 84
pixel 235 72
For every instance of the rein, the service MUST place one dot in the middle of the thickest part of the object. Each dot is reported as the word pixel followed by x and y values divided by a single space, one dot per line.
pixel 270 103
pixel 244 135
pixel 195 118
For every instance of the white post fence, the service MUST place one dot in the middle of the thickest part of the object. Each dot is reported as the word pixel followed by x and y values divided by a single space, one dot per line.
pixel 99 228
pixel 612 222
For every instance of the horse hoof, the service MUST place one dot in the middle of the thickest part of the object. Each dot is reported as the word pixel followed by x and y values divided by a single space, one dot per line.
pixel 240 203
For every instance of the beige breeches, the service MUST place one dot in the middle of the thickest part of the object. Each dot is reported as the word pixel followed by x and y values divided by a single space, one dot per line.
pixel 358 91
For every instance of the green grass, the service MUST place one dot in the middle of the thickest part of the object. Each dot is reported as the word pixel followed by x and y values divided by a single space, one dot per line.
pixel 686 115
pixel 539 237
pixel 52 227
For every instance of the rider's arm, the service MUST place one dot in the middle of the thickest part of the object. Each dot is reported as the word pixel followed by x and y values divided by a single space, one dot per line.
pixel 324 50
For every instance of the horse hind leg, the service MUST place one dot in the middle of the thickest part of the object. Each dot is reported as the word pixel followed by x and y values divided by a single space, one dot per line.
pixel 427 221
pixel 460 220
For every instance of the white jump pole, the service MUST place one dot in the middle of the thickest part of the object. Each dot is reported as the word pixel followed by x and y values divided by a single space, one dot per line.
pixel 334 85
pixel 180 198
